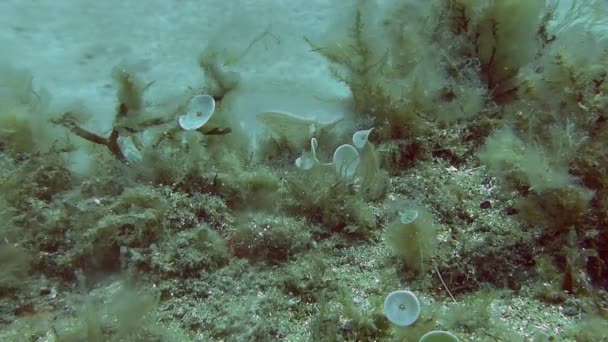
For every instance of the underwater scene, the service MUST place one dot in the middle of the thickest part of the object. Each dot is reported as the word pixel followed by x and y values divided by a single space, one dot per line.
pixel 272 170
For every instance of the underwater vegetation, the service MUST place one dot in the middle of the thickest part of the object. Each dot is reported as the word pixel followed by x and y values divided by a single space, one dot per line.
pixel 471 175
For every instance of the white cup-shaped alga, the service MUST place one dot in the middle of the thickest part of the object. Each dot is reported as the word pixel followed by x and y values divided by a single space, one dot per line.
pixel 402 308
pixel 198 112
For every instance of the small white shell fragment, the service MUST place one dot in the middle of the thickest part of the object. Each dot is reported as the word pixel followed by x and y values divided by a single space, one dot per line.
pixel 198 112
